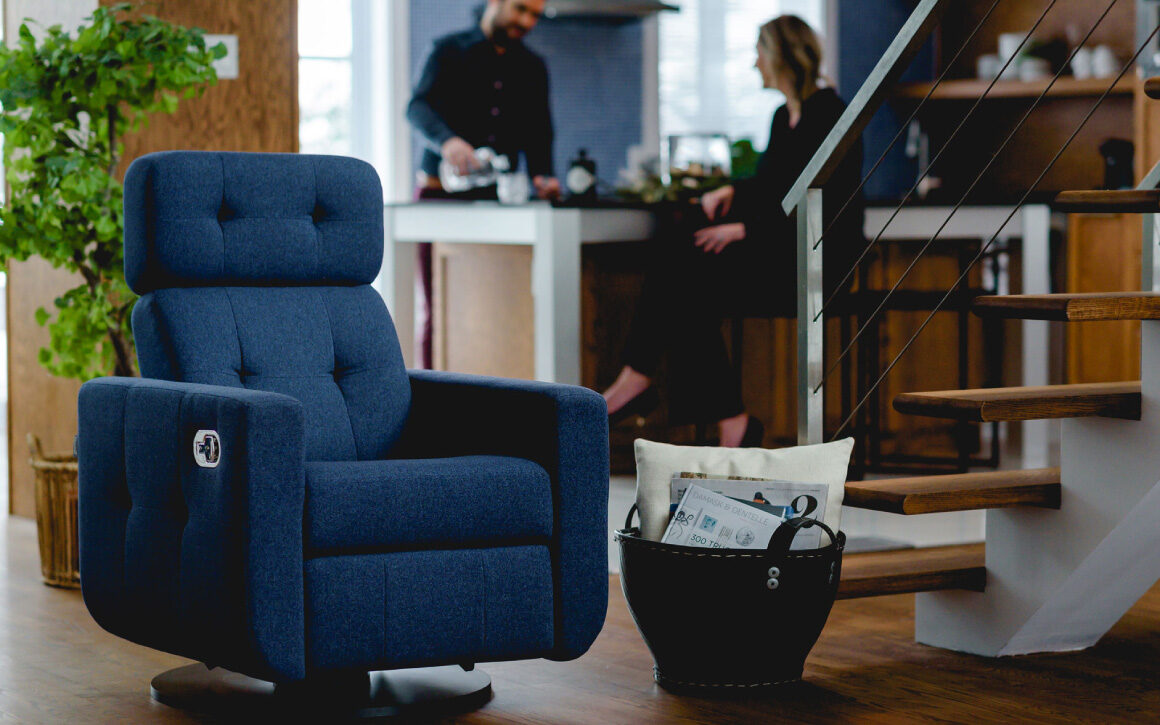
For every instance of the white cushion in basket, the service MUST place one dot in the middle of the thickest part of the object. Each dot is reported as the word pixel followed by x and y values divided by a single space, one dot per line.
pixel 656 463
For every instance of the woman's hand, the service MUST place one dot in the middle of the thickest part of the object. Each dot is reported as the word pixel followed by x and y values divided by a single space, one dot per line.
pixel 714 239
pixel 547 187
pixel 717 203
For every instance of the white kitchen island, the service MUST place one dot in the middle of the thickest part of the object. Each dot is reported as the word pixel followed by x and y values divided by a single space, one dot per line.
pixel 555 235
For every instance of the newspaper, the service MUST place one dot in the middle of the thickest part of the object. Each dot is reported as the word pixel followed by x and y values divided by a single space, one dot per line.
pixel 782 498
pixel 708 519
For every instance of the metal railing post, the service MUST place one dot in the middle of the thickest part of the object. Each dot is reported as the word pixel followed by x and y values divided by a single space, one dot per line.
pixel 1151 260
pixel 1151 281
pixel 810 325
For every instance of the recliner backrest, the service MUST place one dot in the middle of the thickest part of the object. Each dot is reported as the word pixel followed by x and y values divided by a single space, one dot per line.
pixel 255 272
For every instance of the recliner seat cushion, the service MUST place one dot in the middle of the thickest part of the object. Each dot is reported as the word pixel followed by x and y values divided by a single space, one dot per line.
pixel 425 608
pixel 427 503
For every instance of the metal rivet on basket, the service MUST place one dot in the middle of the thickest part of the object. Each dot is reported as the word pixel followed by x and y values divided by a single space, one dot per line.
pixel 774 572
pixel 772 583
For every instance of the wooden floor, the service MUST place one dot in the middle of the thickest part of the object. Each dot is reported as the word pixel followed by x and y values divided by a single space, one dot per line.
pixel 57 666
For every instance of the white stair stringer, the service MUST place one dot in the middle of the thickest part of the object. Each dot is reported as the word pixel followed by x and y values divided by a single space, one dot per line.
pixel 1058 580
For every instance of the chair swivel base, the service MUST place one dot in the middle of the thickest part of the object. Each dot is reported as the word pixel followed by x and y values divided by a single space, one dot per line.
pixel 413 693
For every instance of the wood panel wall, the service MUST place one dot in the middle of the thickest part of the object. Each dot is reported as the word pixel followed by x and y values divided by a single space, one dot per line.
pixel 258 111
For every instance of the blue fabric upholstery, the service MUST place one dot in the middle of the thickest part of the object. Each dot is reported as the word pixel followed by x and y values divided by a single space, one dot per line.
pixel 197 561
pixel 359 517
pixel 209 218
pixel 363 506
pixel 333 348
pixel 420 608
pixel 564 429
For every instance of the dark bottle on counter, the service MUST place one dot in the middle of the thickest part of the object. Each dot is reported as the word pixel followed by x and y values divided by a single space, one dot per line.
pixel 581 179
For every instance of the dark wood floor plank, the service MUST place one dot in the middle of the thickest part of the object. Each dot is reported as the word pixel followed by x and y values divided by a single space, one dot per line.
pixel 1126 201
pixel 58 666
pixel 1110 400
pixel 956 492
pixel 1071 307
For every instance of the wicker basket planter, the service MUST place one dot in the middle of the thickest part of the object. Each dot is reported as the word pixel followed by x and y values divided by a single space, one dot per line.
pixel 56 516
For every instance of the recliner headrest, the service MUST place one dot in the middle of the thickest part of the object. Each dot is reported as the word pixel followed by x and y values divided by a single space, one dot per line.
pixel 198 218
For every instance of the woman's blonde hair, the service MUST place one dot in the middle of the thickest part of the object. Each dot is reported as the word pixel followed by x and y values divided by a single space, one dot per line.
pixel 794 46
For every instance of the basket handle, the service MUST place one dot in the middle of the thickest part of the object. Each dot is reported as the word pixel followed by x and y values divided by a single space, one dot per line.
pixel 628 519
pixel 34 449
pixel 784 536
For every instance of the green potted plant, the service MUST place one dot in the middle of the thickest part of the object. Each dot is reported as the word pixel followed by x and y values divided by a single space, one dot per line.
pixel 66 101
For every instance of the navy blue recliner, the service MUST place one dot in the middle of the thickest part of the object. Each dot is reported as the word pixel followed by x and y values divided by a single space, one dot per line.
pixel 277 495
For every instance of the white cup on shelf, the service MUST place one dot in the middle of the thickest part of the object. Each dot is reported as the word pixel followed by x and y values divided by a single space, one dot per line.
pixel 1011 72
pixel 1081 64
pixel 1105 64
pixel 987 66
pixel 1034 69
pixel 1009 45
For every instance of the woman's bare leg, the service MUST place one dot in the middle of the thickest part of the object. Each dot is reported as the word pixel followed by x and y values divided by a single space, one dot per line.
pixel 628 384
pixel 733 430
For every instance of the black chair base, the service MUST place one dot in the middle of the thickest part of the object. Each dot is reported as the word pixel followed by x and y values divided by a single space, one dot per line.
pixel 407 694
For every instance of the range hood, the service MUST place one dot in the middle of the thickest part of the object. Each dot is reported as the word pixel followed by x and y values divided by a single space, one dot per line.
pixel 605 8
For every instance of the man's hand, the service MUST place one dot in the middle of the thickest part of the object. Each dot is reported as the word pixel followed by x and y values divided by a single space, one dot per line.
pixel 714 239
pixel 459 154
pixel 717 203
pixel 547 187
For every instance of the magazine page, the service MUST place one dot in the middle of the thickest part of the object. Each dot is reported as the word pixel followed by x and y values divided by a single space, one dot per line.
pixel 783 499
pixel 710 520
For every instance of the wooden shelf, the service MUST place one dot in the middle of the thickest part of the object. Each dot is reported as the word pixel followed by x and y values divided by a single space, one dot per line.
pixel 968 90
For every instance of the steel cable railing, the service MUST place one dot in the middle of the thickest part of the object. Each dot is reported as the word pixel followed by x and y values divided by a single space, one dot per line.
pixel 983 250
pixel 958 205
pixel 898 137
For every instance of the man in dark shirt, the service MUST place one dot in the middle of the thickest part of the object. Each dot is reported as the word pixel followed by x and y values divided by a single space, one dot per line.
pixel 484 87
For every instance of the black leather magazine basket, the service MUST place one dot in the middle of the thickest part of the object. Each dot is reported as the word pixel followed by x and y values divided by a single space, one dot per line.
pixel 729 621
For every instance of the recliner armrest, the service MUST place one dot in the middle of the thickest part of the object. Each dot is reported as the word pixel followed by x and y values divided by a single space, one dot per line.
pixel 193 560
pixel 564 428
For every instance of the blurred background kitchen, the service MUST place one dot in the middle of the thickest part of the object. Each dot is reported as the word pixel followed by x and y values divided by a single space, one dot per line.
pixel 663 99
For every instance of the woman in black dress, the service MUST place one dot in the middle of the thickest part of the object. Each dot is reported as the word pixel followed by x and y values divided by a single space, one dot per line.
pixel 739 257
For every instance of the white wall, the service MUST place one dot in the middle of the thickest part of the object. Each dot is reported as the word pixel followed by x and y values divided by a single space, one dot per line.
pixel 66 13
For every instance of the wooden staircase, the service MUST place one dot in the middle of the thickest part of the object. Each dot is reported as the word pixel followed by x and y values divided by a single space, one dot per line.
pixel 953 609
pixel 948 573
pixel 1067 551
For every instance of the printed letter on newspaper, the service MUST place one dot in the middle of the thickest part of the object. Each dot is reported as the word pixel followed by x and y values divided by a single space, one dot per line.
pixel 780 498
pixel 708 519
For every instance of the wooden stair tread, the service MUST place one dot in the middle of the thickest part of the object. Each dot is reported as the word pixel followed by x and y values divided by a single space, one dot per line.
pixel 1072 307
pixel 913 570
pixel 1110 400
pixel 1152 87
pixel 956 492
pixel 1127 201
